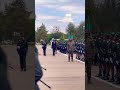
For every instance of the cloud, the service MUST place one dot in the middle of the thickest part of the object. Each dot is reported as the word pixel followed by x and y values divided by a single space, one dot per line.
pixel 63 5
pixel 66 19
pixel 73 9
pixel 45 17
pixel 59 13
pixel 50 1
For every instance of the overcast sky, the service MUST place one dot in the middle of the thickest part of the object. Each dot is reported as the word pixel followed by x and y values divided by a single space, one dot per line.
pixel 59 13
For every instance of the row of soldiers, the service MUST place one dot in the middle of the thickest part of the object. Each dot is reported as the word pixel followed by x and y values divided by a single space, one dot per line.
pixel 107 51
pixel 79 48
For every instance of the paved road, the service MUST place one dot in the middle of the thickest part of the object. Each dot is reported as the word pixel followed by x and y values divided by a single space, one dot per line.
pixel 99 84
pixel 60 74
pixel 19 80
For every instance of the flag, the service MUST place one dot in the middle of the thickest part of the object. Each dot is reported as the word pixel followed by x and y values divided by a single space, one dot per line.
pixel 70 36
pixel 88 25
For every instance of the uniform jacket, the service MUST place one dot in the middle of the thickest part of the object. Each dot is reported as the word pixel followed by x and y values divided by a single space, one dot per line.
pixel 22 47
pixel 54 45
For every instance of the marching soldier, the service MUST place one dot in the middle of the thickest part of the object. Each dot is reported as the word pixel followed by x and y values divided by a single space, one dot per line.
pixel 54 46
pixel 70 50
pixel 44 46
pixel 22 48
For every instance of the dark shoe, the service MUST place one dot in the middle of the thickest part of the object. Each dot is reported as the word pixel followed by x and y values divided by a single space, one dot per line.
pixel 112 80
pixel 24 69
pixel 99 75
pixel 106 78
pixel 117 82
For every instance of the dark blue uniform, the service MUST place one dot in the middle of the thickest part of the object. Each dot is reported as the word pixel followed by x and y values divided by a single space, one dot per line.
pixel 22 48
pixel 54 46
pixel 44 46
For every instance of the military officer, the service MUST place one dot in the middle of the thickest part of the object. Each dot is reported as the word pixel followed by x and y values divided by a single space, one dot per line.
pixel 22 48
pixel 54 46
pixel 70 49
pixel 44 46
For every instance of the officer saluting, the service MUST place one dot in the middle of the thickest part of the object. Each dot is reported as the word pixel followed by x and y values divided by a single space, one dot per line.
pixel 54 46
pixel 22 48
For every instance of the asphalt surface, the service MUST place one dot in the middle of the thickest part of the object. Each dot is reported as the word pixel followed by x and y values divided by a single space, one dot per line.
pixel 99 84
pixel 60 74
pixel 63 75
pixel 19 80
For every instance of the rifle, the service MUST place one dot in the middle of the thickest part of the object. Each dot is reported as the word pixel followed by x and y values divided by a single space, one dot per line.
pixel 43 68
pixel 45 84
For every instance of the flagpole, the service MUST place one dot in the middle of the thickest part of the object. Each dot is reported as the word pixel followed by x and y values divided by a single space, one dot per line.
pixel 89 27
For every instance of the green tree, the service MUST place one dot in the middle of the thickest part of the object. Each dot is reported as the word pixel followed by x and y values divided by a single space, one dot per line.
pixel 57 35
pixel 70 29
pixel 49 38
pixel 17 19
pixel 80 32
pixel 41 33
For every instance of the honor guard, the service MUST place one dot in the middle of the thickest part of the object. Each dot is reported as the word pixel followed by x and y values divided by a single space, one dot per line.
pixel 22 48
pixel 44 46
pixel 54 46
pixel 117 62
pixel 70 50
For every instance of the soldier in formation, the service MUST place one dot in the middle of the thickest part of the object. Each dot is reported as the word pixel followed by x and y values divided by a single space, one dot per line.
pixel 108 56
pixel 63 47
pixel 79 50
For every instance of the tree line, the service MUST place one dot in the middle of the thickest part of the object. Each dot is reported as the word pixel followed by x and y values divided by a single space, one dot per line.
pixel 71 30
pixel 16 19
